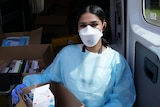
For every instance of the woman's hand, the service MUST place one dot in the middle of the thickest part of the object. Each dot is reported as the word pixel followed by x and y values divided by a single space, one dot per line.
pixel 17 89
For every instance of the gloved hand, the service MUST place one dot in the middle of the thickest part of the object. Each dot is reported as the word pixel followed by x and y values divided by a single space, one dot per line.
pixel 17 89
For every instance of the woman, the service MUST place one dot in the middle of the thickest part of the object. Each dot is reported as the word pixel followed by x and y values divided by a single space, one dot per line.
pixel 95 73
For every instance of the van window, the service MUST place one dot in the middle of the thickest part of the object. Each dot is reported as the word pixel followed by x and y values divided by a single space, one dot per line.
pixel 151 11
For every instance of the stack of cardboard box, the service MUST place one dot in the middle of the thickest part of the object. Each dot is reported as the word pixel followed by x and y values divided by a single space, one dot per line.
pixel 33 51
pixel 54 17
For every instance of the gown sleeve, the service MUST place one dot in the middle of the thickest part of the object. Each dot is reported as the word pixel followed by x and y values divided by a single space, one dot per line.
pixel 123 93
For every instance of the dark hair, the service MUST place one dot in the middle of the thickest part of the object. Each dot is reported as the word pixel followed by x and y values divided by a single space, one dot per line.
pixel 94 9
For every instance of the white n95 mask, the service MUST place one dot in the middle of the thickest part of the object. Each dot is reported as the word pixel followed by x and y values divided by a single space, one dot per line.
pixel 90 36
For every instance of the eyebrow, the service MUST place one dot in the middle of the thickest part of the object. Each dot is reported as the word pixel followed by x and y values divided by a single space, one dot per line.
pixel 89 22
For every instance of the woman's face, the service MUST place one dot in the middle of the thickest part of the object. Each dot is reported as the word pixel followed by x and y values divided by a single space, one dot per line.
pixel 92 20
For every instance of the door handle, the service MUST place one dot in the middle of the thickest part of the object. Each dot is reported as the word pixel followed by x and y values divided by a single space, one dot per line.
pixel 151 70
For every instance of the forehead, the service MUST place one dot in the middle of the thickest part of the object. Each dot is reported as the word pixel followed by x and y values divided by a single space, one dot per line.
pixel 88 18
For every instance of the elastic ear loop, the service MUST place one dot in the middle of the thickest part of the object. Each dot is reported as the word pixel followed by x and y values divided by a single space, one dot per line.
pixel 25 97
pixel 27 100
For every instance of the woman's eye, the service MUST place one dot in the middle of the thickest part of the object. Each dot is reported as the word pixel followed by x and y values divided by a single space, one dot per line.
pixel 82 26
pixel 94 25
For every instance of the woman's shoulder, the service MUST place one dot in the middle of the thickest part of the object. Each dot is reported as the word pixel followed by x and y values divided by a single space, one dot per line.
pixel 111 51
pixel 117 56
pixel 72 48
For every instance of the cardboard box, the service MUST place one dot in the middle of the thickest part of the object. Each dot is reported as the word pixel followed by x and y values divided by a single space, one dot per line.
pixel 53 24
pixel 51 20
pixel 61 10
pixel 50 4
pixel 56 30
pixel 35 35
pixel 63 98
pixel 42 52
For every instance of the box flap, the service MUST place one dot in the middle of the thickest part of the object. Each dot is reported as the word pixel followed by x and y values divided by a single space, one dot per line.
pixel 16 34
pixel 64 98
pixel 41 52
pixel 20 52
pixel 35 36
pixel 21 102
pixel 1 35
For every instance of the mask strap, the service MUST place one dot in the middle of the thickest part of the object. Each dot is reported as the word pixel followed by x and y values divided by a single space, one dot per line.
pixel 104 42
pixel 99 51
pixel 83 48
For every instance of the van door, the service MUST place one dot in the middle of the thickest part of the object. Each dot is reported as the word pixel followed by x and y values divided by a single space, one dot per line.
pixel 143 49
pixel 117 18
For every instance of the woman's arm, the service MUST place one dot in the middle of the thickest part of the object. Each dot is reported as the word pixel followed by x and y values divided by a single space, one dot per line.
pixel 123 94
pixel 51 73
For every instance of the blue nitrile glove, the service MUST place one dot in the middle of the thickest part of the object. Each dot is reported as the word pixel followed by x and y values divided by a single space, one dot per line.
pixel 17 89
